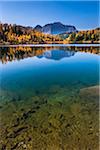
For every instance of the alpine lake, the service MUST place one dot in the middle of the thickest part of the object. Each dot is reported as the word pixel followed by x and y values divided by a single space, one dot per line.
pixel 49 97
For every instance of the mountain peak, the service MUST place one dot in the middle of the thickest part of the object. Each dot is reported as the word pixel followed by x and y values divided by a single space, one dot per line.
pixel 57 23
pixel 38 28
pixel 56 28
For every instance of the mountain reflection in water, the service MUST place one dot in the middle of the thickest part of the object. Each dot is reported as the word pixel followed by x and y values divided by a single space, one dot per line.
pixel 50 52
pixel 56 54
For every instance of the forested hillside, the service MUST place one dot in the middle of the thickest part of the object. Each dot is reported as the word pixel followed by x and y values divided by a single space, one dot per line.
pixel 89 36
pixel 15 34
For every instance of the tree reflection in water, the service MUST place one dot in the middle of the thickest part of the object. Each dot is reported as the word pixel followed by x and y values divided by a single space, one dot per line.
pixel 50 52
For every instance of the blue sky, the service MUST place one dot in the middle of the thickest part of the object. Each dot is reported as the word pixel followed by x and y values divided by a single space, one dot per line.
pixel 82 14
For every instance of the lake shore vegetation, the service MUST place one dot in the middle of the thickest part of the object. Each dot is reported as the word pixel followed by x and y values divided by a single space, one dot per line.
pixel 17 34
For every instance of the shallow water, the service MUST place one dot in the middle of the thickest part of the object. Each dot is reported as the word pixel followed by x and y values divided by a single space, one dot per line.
pixel 40 100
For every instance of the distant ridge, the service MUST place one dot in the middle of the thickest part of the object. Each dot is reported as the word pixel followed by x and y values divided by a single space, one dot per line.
pixel 56 28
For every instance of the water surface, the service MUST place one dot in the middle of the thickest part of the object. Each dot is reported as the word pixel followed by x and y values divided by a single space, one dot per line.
pixel 40 98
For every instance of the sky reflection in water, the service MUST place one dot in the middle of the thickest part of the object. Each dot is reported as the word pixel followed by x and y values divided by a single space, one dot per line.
pixel 43 68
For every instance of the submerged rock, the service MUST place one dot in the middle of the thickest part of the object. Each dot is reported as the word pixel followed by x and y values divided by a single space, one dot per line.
pixel 16 132
pixel 93 90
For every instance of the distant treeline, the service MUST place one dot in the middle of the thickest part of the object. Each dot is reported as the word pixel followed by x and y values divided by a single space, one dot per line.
pixel 16 34
pixel 89 36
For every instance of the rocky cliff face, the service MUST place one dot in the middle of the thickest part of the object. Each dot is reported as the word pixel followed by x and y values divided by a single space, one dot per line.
pixel 55 28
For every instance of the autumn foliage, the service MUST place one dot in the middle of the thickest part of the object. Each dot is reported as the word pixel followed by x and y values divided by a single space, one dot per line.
pixel 89 36
pixel 15 34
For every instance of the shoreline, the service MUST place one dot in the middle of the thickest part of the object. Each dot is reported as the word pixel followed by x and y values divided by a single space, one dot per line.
pixel 36 45
pixel 54 43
